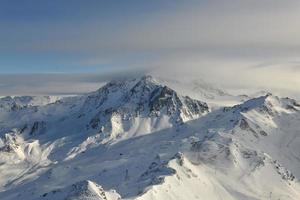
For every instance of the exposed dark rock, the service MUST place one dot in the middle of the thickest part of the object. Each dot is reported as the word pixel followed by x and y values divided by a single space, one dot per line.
pixel 38 127
pixel 140 97
pixel 285 174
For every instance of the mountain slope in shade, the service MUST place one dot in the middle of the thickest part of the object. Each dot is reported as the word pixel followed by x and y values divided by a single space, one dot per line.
pixel 125 107
pixel 9 103
pixel 83 190
pixel 140 139
pixel 243 158
pixel 199 89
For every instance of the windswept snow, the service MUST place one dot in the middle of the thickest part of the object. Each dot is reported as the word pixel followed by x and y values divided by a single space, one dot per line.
pixel 141 139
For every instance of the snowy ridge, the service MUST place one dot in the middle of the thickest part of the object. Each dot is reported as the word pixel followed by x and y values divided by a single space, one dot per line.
pixel 199 89
pixel 140 139
pixel 127 106
pixel 19 102
pixel 83 190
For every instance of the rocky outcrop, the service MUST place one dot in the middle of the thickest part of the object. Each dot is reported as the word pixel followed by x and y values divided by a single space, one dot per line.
pixel 82 190
pixel 38 127
pixel 145 98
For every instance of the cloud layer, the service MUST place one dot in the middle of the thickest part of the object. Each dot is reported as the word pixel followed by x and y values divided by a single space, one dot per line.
pixel 236 44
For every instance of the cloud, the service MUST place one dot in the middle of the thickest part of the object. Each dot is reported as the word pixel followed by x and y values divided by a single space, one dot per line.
pixel 246 26
pixel 234 43
pixel 58 84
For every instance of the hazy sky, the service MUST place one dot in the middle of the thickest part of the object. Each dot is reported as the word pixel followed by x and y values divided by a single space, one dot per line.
pixel 233 43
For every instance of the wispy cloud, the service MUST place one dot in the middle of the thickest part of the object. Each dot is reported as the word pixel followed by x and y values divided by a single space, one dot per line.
pixel 58 84
pixel 234 43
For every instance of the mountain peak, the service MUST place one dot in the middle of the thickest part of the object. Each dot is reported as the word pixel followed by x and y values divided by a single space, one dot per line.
pixel 125 135
pixel 127 101
pixel 148 78
pixel 270 104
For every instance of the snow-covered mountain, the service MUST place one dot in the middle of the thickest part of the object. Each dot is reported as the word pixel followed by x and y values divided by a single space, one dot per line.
pixel 138 106
pixel 82 190
pixel 18 102
pixel 142 138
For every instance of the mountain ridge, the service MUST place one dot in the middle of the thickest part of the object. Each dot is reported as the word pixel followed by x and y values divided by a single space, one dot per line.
pixel 150 142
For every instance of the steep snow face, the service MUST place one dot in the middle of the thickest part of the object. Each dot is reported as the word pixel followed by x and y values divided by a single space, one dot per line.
pixel 200 181
pixel 83 190
pixel 140 139
pixel 271 124
pixel 249 152
pixel 144 96
pixel 269 104
pixel 21 160
pixel 139 106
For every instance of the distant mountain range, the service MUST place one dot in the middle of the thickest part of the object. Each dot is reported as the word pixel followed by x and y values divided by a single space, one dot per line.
pixel 148 138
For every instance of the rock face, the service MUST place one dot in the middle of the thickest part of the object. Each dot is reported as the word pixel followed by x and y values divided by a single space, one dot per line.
pixel 10 143
pixel 38 127
pixel 146 141
pixel 120 103
pixel 268 104
pixel 83 190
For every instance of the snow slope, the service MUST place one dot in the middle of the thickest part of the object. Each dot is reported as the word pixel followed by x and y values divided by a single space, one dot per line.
pixel 17 102
pixel 140 139
pixel 199 89
pixel 83 190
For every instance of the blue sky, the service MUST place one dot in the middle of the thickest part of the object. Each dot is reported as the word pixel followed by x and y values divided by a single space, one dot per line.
pixel 234 43
pixel 55 36
pixel 97 36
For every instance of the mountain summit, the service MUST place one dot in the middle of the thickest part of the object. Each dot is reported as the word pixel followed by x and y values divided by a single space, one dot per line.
pixel 135 102
pixel 140 139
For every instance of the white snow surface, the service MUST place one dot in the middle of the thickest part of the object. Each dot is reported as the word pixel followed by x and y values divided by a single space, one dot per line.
pixel 140 139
